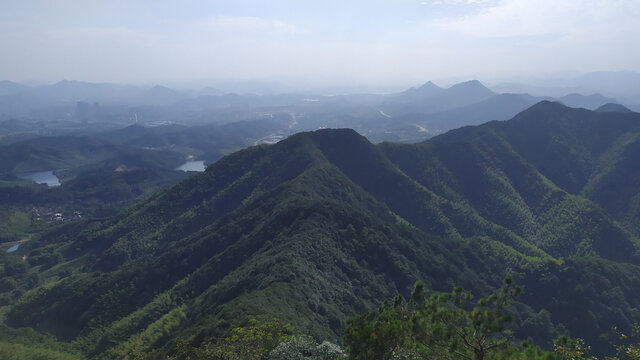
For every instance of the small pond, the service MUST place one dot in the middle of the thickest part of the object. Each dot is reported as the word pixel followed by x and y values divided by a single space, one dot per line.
pixel 192 166
pixel 13 248
pixel 42 177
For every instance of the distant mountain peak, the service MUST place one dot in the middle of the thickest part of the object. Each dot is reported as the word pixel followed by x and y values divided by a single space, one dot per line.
pixel 473 90
pixel 425 90
pixel 65 83
pixel 429 88
pixel 590 102
pixel 613 107
pixel 339 136
pixel 548 104
pixel 342 133
pixel 471 84
pixel 591 96
pixel 429 85
pixel 160 88
pixel 77 83
pixel 546 107
pixel 209 90
pixel 10 87
pixel 430 98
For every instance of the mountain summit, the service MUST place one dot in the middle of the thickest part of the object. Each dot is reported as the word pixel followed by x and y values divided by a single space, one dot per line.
pixel 429 89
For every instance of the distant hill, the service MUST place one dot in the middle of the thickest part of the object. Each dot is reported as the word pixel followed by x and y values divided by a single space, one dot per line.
pixel 73 91
pixel 207 142
pixel 51 153
pixel 428 99
pixel 590 102
pixel 209 91
pixel 9 88
pixel 324 225
pixel 498 107
pixel 20 99
pixel 470 91
pixel 160 95
pixel 204 142
pixel 210 102
pixel 619 84
pixel 613 107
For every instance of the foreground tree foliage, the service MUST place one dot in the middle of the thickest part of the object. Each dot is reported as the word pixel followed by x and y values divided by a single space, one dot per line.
pixel 254 341
pixel 447 327
pixel 251 342
pixel 306 348
pixel 441 326
pixel 271 339
pixel 576 349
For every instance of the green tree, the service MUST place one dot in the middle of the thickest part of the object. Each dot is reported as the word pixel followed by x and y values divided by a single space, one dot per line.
pixel 576 349
pixel 256 340
pixel 14 265
pixel 572 349
pixel 441 326
pixel 7 284
pixel 630 350
pixel 306 348
pixel 251 342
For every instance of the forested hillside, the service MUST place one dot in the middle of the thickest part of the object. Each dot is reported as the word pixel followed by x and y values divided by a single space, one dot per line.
pixel 325 225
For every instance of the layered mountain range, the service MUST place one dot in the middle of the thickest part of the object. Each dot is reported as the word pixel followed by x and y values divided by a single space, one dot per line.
pixel 409 116
pixel 324 225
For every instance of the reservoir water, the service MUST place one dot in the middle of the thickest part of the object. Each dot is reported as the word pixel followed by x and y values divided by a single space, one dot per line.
pixel 192 166
pixel 13 248
pixel 42 177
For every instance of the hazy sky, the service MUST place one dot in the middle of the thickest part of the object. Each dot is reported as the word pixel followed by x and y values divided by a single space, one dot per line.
pixel 372 41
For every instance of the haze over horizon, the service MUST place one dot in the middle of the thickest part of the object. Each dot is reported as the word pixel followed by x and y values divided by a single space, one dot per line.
pixel 373 42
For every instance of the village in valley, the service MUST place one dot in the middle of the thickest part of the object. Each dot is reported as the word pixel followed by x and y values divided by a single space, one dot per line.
pixel 50 214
